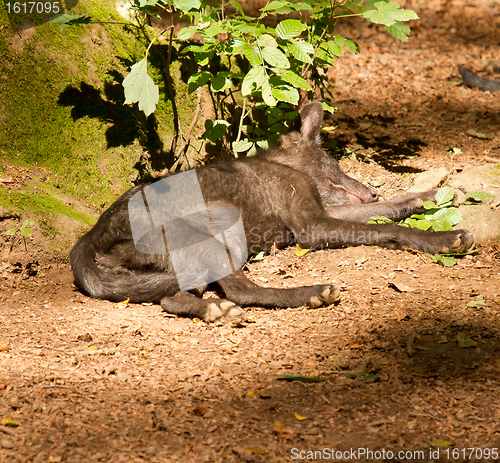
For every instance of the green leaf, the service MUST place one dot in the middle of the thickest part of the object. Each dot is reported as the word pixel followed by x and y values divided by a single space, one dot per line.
pixel 258 257
pixel 140 88
pixel 263 144
pixel 256 76
pixel 451 215
pixel 10 423
pixel 198 80
pixel 213 30
pixel 274 5
pixel 251 55
pixel 464 340
pixel 10 231
pixel 335 49
pixel 215 130
pixel 339 40
pixel 379 219
pixel 187 5
pixel 399 31
pixel 290 28
pixel 328 107
pixel 203 58
pixel 323 53
pixel 442 443
pixel 25 232
pixel 222 81
pixel 445 195
pixel 445 261
pixel 236 5
pixel 275 58
pixel 300 252
pixel 242 145
pixel 286 94
pixel 302 379
pixel 300 6
pixel 388 14
pixel 186 33
pixel 352 46
pixel 301 50
pixel 67 20
pixel 479 304
pixel 266 40
pixel 294 79
pixel 479 195
pixel 429 205
pixel 421 224
pixel 267 93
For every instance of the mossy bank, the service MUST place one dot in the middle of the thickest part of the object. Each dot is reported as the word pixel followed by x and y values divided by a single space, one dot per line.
pixel 61 111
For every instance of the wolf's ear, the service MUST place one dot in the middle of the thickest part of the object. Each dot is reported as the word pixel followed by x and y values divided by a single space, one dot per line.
pixel 311 117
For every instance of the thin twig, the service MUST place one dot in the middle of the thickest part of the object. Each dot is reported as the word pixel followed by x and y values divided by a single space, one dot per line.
pixel 172 94
pixel 193 123
pixel 241 120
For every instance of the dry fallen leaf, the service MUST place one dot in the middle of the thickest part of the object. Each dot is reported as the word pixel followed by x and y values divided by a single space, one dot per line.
pixel 10 423
pixel 122 304
pixel 401 287
pixel 354 345
pixel 4 347
pixel 300 417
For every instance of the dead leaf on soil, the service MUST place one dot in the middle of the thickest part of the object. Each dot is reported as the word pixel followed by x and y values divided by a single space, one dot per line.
pixel 10 423
pixel 354 345
pixel 465 341
pixel 255 450
pixel 309 363
pixel 200 410
pixel 280 430
pixel 476 134
pixel 302 379
pixel 400 287
pixel 442 443
pixel 300 417
pixel 122 304
pixel 4 347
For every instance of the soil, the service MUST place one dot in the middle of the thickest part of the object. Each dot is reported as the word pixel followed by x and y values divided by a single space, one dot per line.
pixel 408 361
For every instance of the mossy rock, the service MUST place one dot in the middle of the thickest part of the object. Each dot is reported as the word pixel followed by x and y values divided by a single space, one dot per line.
pixel 62 110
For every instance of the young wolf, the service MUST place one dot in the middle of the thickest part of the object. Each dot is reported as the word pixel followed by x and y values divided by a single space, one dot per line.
pixel 140 249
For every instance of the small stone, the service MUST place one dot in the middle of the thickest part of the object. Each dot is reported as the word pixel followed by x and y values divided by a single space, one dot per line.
pixel 428 180
pixel 6 444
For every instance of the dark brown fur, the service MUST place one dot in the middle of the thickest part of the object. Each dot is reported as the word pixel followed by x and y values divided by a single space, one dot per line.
pixel 292 194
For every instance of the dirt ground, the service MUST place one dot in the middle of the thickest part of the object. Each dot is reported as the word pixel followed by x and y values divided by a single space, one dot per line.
pixel 83 380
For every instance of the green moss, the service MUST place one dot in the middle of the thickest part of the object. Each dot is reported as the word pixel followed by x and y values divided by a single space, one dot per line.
pixel 61 108
pixel 57 110
pixel 44 207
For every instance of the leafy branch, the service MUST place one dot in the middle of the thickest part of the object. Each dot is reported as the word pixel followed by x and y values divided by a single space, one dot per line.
pixel 249 68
